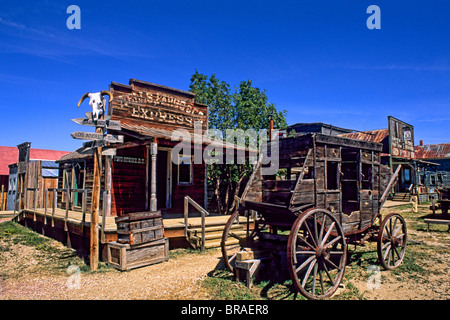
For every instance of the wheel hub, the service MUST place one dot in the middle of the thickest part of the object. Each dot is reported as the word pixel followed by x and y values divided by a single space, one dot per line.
pixel 322 253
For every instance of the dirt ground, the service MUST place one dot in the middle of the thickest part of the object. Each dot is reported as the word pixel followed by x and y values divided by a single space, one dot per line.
pixel 27 272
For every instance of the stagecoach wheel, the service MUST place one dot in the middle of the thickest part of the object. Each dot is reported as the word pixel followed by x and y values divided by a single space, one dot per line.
pixel 316 254
pixel 236 236
pixel 391 244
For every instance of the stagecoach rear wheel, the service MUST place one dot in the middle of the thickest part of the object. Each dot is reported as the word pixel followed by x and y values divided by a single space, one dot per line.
pixel 236 236
pixel 316 253
pixel 391 243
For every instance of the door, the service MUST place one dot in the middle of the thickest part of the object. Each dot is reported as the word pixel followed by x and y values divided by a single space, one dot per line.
pixel 163 179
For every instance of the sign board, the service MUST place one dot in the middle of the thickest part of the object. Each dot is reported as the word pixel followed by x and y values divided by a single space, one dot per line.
pixel 87 135
pixel 401 138
pixel 97 136
pixel 163 107
pixel 95 144
pixel 109 124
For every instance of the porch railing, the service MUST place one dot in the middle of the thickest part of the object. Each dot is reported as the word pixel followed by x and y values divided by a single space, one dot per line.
pixel 188 200
pixel 66 202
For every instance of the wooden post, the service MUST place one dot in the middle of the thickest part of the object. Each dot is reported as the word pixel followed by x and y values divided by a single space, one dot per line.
pixel 94 245
pixel 153 152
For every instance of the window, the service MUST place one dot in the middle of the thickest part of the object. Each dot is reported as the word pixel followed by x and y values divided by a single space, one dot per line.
pixel 422 179
pixel 332 176
pixel 407 175
pixel 433 180
pixel 184 170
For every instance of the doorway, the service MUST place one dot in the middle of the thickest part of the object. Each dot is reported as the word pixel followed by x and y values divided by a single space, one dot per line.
pixel 163 179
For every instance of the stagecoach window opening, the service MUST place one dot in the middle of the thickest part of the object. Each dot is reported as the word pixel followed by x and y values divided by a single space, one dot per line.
pixel 185 170
pixel 366 176
pixel 332 175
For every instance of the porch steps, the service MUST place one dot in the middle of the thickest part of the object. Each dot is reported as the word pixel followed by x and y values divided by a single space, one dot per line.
pixel 213 235
pixel 401 196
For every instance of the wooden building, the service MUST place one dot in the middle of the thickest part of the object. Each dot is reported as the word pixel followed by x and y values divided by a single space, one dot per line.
pixel 141 174
pixel 438 176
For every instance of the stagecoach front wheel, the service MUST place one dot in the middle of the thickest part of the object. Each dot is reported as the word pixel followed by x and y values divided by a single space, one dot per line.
pixel 238 234
pixel 391 244
pixel 316 253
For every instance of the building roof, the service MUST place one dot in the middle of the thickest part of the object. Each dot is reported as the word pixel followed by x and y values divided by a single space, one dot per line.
pixel 432 151
pixel 145 132
pixel 10 155
pixel 372 135
pixel 317 125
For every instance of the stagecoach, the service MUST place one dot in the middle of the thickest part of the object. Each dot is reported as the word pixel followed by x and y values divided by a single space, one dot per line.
pixel 327 193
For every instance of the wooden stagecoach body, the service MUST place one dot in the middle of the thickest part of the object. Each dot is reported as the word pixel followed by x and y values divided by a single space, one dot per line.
pixel 328 191
pixel 342 175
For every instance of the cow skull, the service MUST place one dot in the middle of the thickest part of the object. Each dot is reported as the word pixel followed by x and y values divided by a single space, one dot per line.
pixel 97 102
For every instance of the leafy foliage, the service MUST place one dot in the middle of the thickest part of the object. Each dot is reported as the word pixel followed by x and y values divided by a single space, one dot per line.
pixel 245 108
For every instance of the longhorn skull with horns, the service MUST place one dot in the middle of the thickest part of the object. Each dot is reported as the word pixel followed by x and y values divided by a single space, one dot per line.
pixel 97 102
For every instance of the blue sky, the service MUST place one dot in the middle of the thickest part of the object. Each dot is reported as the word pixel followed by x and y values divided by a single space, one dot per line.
pixel 316 59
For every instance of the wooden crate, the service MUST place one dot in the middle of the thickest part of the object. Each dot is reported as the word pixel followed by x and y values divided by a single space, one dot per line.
pixel 139 227
pixel 126 257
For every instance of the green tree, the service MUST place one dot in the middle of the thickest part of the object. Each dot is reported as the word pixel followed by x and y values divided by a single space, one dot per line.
pixel 245 108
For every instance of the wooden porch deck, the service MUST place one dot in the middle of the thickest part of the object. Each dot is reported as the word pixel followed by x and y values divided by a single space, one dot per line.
pixel 73 221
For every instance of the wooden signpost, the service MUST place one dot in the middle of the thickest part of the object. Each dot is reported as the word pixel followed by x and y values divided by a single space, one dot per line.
pixel 97 141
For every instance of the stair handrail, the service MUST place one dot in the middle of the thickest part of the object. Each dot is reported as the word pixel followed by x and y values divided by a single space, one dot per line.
pixel 188 200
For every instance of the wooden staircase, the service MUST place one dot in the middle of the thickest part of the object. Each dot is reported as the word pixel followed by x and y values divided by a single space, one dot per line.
pixel 213 234
pixel 401 196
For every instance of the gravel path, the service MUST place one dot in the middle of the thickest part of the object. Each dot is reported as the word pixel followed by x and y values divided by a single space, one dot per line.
pixel 177 278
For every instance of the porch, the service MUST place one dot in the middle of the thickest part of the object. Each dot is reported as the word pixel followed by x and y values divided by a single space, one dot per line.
pixel 71 226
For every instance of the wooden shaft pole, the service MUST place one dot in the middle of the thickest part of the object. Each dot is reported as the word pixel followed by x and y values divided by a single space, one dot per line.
pixel 94 243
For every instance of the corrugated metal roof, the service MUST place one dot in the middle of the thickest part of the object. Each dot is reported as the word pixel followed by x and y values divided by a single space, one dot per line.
pixel 372 135
pixel 432 151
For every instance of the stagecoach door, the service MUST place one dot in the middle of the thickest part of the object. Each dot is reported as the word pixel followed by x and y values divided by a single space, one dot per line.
pixel 350 180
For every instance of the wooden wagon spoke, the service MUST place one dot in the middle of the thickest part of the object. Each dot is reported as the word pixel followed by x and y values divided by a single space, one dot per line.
pixel 306 242
pixel 387 251
pixel 308 272
pixel 305 252
pixel 322 227
pixel 232 258
pixel 396 231
pixel 332 241
pixel 325 238
pixel 328 274
pixel 386 245
pixel 332 264
pixel 305 263
pixel 315 229
pixel 309 231
pixel 398 255
pixel 314 278
pixel 321 282
pixel 336 252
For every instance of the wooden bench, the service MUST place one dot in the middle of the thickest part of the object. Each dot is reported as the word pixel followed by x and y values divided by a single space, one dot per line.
pixel 436 221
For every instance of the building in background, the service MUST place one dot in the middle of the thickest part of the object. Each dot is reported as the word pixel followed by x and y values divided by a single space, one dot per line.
pixel 9 168
pixel 439 175
pixel 318 127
